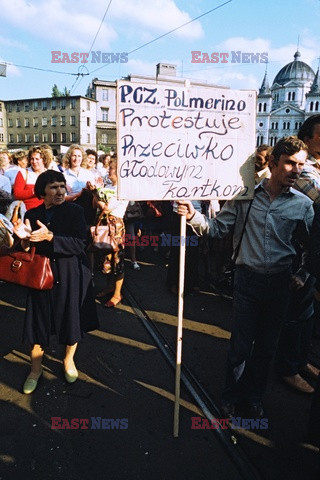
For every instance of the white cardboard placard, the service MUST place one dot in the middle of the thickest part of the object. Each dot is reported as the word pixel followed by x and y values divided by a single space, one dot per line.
pixel 178 142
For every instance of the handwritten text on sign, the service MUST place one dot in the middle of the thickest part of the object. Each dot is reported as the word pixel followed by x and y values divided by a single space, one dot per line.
pixel 192 143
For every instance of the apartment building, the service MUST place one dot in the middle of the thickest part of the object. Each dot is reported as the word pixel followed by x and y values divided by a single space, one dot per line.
pixel 3 126
pixel 104 92
pixel 57 121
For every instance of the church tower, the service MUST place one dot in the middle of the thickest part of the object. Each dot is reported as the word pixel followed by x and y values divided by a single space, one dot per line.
pixel 291 99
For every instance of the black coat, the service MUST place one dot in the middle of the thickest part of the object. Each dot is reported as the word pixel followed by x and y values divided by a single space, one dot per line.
pixel 68 310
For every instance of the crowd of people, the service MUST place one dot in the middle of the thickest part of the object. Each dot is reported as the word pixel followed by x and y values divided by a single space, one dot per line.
pixel 272 239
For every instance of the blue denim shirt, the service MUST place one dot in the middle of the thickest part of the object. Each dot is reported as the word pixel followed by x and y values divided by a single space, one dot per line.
pixel 266 245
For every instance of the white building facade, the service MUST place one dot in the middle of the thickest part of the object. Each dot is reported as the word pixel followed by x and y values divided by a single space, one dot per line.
pixel 293 97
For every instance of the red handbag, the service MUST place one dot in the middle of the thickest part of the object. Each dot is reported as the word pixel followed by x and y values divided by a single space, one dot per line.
pixel 27 269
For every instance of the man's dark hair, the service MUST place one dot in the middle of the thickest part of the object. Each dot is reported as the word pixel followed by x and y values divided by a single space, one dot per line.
pixel 287 146
pixel 263 148
pixel 49 176
pixel 307 128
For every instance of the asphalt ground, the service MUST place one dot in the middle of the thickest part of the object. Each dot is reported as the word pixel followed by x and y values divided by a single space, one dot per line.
pixel 123 375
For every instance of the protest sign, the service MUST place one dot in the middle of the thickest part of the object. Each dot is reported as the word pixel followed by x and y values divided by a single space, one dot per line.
pixel 178 142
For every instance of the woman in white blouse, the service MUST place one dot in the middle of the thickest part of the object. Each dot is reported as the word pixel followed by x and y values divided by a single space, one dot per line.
pixel 78 179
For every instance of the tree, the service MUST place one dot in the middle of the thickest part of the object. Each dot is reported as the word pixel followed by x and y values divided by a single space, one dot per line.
pixel 57 93
pixel 66 92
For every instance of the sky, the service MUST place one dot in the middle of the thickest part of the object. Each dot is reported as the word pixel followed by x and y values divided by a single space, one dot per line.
pixel 32 29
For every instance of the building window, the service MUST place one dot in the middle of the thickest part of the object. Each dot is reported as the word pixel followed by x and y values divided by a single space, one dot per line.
pixel 317 106
pixel 44 104
pixel 88 137
pixel 35 105
pixel 105 94
pixel 73 121
pixel 88 105
pixel 1 137
pixel 27 138
pixel 73 103
pixel 311 106
pixel 35 122
pixel 53 104
pixel 63 137
pixel 104 138
pixel 63 104
pixel 62 121
pixel 54 137
pixel 45 138
pixel 105 114
pixel 10 137
pixel 18 122
pixel 44 121
pixel 26 122
pixel 18 107
pixel 10 122
pixel 36 138
pixel 1 122
pixel 88 121
pixel 73 137
pixel 0 107
pixel 9 107
pixel 289 96
pixel 19 138
pixel 54 121
pixel 260 107
pixel 26 107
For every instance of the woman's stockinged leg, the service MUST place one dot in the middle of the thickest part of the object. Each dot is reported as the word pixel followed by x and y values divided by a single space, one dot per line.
pixel 116 297
pixel 70 370
pixel 31 382
pixel 36 355
pixel 68 361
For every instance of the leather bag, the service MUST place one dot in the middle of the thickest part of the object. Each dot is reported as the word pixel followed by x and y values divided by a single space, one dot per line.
pixel 27 269
pixel 104 236
pixel 133 211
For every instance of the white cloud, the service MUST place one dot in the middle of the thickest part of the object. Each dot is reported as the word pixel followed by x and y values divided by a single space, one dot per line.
pixel 13 43
pixel 308 48
pixel 73 24
pixel 158 16
pixel 59 22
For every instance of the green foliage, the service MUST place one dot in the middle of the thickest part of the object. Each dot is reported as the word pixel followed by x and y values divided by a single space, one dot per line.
pixel 57 93
pixel 104 148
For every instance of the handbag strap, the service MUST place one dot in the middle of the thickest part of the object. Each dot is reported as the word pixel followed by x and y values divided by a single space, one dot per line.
pixel 237 249
pixel 101 216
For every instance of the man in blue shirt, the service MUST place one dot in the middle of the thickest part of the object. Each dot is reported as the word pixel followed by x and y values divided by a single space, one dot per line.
pixel 263 273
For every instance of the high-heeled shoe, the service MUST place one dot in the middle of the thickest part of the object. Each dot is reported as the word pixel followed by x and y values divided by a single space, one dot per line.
pixel 71 375
pixel 110 303
pixel 31 383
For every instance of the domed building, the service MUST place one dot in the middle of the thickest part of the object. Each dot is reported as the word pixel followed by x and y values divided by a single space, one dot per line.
pixel 293 97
